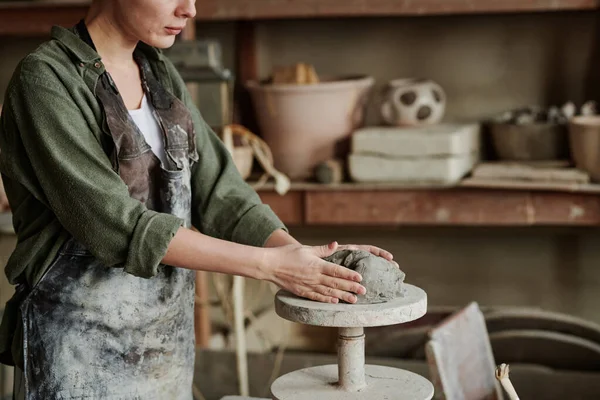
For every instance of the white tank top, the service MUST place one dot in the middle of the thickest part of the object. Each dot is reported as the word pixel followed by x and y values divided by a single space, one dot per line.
pixel 148 124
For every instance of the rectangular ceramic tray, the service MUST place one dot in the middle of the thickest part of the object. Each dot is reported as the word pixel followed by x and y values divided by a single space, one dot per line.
pixel 448 139
pixel 434 170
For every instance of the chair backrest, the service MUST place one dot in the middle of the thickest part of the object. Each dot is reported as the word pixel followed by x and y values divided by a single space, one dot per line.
pixel 460 358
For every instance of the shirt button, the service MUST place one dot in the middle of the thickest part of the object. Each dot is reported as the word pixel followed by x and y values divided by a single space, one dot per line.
pixel 97 64
pixel 81 65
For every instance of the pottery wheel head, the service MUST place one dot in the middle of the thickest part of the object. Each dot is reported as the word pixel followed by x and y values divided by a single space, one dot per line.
pixel 410 306
pixel 382 278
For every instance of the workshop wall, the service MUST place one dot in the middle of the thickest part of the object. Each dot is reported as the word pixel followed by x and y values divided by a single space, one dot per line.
pixel 486 64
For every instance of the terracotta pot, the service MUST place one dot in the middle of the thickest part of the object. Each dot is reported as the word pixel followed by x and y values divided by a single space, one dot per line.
pixel 584 140
pixel 305 125
pixel 412 102
pixel 530 142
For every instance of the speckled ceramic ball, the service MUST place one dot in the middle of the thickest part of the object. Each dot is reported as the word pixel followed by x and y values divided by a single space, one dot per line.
pixel 412 102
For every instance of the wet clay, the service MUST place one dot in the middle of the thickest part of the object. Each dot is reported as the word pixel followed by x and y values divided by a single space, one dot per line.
pixel 382 279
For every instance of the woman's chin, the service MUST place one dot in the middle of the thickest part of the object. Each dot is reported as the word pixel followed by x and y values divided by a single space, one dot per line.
pixel 161 42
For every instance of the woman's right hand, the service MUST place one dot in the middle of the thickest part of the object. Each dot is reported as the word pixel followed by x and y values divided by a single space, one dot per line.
pixel 301 270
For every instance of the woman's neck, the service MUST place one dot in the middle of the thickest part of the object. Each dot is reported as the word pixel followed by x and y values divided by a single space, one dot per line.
pixel 110 40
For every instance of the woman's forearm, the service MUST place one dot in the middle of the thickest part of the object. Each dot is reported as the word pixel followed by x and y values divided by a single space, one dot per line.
pixel 280 238
pixel 287 263
pixel 194 250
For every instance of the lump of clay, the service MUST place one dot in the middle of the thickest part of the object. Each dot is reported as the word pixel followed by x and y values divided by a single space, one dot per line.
pixel 382 279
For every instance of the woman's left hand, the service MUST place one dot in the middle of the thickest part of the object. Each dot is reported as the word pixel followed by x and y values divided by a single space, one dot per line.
pixel 371 249
pixel 282 238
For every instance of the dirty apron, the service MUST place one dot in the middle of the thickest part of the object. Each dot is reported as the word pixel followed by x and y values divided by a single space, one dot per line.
pixel 95 332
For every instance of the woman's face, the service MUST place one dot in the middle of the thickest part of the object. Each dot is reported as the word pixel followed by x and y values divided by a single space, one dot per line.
pixel 155 22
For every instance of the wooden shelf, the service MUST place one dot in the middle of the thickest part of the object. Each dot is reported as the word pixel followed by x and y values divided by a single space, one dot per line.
pixel 280 9
pixel 458 206
pixel 35 18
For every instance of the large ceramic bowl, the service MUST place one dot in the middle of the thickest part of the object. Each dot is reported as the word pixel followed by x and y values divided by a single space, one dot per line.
pixel 305 125
pixel 530 142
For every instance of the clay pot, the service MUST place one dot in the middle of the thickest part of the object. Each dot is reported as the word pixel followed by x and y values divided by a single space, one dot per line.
pixel 243 157
pixel 411 102
pixel 529 142
pixel 584 140
pixel 305 125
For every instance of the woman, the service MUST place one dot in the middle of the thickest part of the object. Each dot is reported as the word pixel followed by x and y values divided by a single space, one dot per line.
pixel 107 165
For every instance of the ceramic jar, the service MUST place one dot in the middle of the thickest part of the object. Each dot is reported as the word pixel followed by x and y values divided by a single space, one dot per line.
pixel 412 101
pixel 305 125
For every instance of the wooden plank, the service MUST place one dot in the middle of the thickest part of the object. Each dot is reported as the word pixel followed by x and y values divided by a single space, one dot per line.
pixel 530 185
pixel 460 357
pixel 289 208
pixel 246 68
pixel 272 9
pixel 37 19
pixel 471 183
pixel 451 207
pixel 564 209
pixel 370 186
pixel 19 18
pixel 525 173
pixel 246 57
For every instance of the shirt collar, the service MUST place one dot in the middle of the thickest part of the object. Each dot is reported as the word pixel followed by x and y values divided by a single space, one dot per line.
pixel 85 53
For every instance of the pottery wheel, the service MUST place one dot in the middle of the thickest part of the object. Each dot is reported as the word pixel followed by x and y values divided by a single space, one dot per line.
pixel 411 306
pixel 382 383
pixel 351 379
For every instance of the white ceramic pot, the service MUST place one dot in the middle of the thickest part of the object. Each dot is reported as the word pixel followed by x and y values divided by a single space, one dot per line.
pixel 411 102
pixel 305 125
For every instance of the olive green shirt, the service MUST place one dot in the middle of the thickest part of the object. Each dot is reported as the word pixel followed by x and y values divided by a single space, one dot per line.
pixel 60 181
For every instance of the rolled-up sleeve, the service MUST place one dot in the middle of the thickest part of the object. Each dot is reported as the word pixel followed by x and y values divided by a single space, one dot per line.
pixel 78 182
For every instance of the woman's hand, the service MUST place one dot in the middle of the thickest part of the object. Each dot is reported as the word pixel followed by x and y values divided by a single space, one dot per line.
pixel 282 238
pixel 291 266
pixel 302 271
pixel 371 249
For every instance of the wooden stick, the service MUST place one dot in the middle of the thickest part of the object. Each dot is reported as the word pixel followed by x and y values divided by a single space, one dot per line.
pixel 189 33
pixel 202 324
pixel 240 335
pixel 502 375
pixel 246 68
